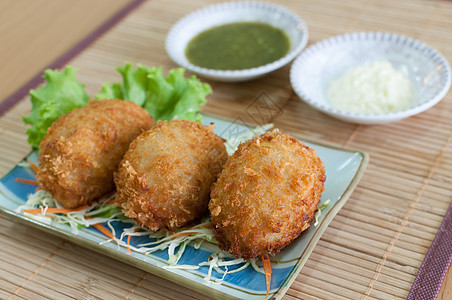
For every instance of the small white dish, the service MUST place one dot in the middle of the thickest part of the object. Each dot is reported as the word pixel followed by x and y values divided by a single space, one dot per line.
pixel 231 12
pixel 428 71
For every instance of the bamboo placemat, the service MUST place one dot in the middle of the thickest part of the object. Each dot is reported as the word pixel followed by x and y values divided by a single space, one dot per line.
pixel 34 33
pixel 374 247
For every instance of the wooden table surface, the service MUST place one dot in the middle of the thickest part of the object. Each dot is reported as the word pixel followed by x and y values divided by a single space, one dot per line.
pixel 35 33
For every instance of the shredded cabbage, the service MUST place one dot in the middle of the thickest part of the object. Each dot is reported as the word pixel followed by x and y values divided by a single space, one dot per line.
pixel 234 142
pixel 318 213
pixel 104 212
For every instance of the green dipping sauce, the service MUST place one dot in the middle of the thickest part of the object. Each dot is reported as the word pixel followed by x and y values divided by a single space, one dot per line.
pixel 237 46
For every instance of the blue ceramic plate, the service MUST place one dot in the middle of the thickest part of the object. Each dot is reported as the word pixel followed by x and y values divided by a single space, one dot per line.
pixel 343 169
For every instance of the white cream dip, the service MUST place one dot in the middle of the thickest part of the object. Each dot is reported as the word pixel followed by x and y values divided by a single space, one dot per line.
pixel 372 89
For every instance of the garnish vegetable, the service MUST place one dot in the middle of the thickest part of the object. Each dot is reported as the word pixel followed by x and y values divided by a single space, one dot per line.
pixel 268 271
pixel 61 93
pixel 165 98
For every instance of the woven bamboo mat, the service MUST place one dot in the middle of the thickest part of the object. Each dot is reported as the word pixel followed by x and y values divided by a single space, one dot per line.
pixel 32 35
pixel 374 246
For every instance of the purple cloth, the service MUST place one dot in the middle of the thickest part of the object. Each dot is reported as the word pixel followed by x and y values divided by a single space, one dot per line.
pixel 431 274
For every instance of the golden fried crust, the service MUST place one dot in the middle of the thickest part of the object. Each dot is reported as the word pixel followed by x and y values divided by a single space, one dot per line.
pixel 165 177
pixel 83 148
pixel 266 195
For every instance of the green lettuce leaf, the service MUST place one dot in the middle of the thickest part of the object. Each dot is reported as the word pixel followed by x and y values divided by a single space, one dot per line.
pixel 61 94
pixel 165 98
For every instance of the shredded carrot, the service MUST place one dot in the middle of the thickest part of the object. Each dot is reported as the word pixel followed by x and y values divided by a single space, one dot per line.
pixel 128 244
pixel 103 230
pixel 27 181
pixel 33 166
pixel 181 234
pixel 37 189
pixel 268 271
pixel 55 210
pixel 128 241
pixel 206 226
pixel 112 201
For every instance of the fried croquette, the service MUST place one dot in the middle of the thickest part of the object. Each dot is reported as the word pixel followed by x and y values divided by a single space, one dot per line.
pixel 266 195
pixel 164 180
pixel 83 148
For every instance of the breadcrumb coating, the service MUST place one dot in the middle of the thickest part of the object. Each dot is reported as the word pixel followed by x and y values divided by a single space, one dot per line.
pixel 266 195
pixel 165 177
pixel 83 148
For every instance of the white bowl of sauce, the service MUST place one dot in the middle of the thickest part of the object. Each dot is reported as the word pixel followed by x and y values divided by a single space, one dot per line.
pixel 236 41
pixel 370 77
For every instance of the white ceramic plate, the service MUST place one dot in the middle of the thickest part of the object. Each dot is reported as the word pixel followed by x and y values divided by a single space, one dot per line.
pixel 343 167
pixel 231 12
pixel 428 71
